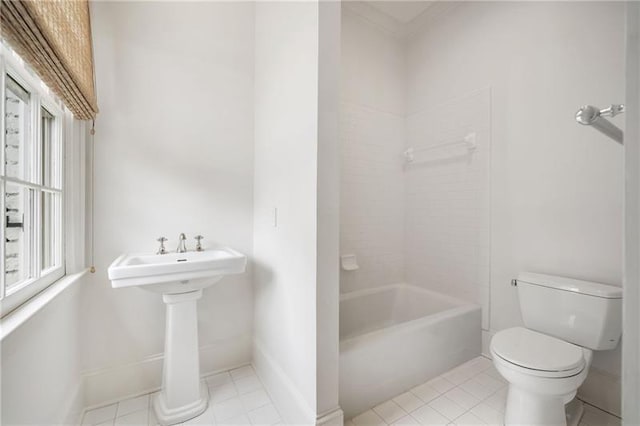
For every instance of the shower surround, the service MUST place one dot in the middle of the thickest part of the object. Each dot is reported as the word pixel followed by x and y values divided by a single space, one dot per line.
pixel 424 223
pixel 419 229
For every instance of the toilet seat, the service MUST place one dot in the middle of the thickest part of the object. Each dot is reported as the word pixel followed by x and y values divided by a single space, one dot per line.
pixel 537 354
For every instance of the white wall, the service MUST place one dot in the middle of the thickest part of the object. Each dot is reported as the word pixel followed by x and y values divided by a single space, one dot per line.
pixel 556 204
pixel 328 411
pixel 372 135
pixel 40 377
pixel 174 153
pixel 40 366
pixel 631 324
pixel 295 208
pixel 286 109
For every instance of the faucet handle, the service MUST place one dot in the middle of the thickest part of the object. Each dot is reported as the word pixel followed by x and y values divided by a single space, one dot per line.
pixel 161 249
pixel 199 238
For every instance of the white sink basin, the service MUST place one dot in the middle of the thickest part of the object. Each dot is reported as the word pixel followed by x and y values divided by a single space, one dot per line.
pixel 174 273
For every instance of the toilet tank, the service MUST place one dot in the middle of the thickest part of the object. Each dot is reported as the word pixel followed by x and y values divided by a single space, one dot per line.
pixel 585 313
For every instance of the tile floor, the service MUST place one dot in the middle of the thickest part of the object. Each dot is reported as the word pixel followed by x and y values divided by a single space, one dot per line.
pixel 473 393
pixel 236 397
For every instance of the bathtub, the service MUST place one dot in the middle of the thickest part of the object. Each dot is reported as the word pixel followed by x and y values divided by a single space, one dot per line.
pixel 395 337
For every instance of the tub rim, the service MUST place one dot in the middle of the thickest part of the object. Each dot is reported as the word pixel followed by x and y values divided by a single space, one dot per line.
pixel 460 307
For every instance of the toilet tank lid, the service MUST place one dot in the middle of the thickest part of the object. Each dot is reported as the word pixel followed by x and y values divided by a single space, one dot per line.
pixel 590 288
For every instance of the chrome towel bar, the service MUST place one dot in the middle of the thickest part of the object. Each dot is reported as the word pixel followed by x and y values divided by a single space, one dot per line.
pixel 589 115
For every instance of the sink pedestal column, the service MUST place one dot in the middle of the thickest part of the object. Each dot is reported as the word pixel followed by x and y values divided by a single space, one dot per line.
pixel 183 396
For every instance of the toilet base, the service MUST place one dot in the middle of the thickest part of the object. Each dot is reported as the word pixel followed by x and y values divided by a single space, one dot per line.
pixel 526 408
pixel 574 411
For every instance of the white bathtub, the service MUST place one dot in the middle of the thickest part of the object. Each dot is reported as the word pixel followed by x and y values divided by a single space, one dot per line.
pixel 395 337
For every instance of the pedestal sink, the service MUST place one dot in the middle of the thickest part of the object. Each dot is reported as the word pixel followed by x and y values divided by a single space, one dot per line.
pixel 180 278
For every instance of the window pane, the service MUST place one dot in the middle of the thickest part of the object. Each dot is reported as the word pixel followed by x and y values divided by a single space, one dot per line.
pixel 18 230
pixel 48 149
pixel 17 116
pixel 51 218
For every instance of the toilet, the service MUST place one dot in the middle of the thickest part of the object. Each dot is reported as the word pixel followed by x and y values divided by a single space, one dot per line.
pixel 547 360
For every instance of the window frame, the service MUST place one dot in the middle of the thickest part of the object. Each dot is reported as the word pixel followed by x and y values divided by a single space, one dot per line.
pixel 40 97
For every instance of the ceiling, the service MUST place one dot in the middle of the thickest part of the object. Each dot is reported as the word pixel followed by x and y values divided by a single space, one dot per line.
pixel 401 10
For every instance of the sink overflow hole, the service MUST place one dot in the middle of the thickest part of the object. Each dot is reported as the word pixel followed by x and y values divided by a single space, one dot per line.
pixel 182 260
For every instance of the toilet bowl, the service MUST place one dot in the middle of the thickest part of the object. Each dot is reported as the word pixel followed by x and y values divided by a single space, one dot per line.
pixel 543 373
pixel 545 361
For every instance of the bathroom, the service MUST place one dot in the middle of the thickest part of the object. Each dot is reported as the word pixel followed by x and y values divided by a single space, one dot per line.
pixel 384 179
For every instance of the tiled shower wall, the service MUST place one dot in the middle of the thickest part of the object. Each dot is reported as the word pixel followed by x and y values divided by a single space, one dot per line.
pixel 425 223
pixel 372 196
pixel 372 133
pixel 447 201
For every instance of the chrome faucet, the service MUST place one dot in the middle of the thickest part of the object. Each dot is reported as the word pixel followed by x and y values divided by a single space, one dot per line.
pixel 162 249
pixel 199 238
pixel 182 245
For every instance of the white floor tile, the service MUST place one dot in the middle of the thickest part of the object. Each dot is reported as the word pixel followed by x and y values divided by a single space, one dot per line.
pixel 426 415
pixel 489 382
pixel 462 398
pixel 255 399
pixel 218 379
pixel 238 373
pixel 406 420
pixel 221 393
pixel 408 401
pixel 227 409
pixel 498 400
pixel 226 406
pixel 595 417
pixel 138 418
pixel 491 371
pixel 441 384
pixel 481 363
pixel 462 373
pixel 425 392
pixel 133 404
pixel 247 384
pixel 267 415
pixel 488 414
pixel 238 398
pixel 447 407
pixel 368 418
pixel 238 420
pixel 469 419
pixel 205 418
pixel 477 389
pixel 100 415
pixel 389 411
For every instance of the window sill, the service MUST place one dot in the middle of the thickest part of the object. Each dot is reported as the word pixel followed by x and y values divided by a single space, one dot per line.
pixel 23 313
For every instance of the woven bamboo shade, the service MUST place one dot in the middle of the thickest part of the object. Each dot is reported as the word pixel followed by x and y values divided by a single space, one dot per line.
pixel 54 38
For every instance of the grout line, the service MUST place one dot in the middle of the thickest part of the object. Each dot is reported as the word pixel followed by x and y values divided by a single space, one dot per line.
pixel 599 409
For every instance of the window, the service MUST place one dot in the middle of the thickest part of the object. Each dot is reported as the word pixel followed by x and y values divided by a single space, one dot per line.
pixel 31 190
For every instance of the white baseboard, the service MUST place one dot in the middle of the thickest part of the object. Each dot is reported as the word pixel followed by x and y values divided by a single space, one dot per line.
pixel 72 411
pixel 486 340
pixel 111 384
pixel 292 406
pixel 334 417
